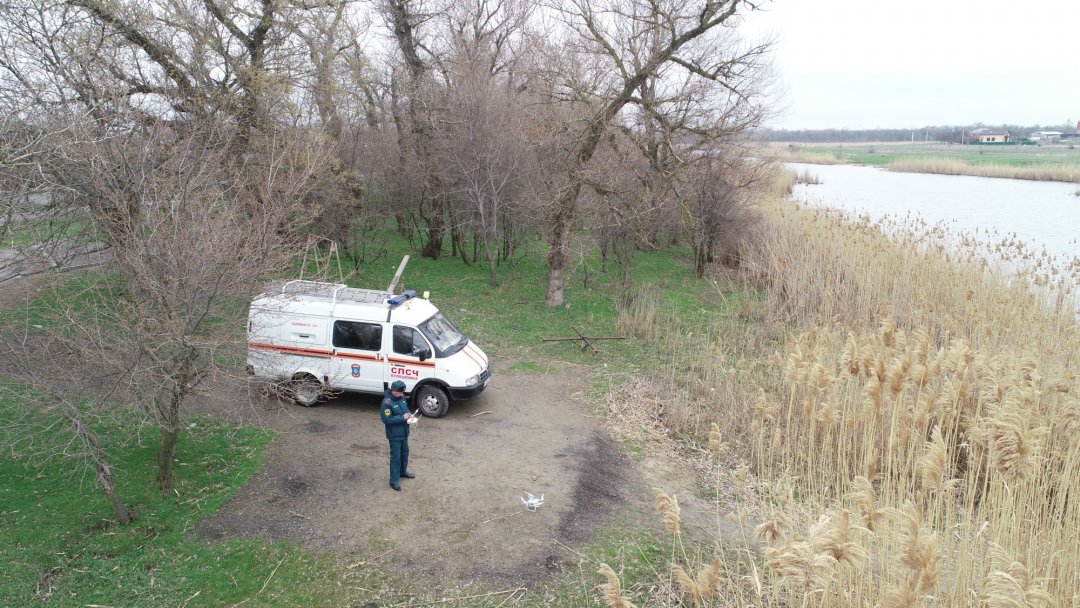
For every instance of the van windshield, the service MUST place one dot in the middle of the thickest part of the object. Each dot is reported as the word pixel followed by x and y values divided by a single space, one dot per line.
pixel 442 333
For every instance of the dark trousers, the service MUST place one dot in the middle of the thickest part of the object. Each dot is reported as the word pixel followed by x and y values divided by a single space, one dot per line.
pixel 399 459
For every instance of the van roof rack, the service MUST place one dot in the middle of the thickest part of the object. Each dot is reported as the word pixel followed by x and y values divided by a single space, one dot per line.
pixel 335 292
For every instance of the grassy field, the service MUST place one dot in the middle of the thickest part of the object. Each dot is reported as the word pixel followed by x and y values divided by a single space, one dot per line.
pixel 61 546
pixel 512 319
pixel 1053 163
pixel 26 234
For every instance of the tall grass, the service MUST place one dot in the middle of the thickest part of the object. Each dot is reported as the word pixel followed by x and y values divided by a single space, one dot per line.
pixel 914 437
pixel 928 415
pixel 806 177
pixel 819 265
pixel 951 166
pixel 703 364
pixel 799 155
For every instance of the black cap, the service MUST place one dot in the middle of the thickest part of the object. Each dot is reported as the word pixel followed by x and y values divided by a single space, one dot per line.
pixel 398 386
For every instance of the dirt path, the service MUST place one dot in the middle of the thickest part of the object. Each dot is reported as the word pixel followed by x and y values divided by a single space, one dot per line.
pixel 18 263
pixel 324 484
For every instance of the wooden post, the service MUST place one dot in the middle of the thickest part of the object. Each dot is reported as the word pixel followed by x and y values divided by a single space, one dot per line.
pixel 397 275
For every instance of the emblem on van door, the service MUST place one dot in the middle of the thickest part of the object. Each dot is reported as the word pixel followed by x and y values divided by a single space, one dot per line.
pixel 355 370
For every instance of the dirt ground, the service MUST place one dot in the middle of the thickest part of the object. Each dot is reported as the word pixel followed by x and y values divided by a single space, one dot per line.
pixel 325 484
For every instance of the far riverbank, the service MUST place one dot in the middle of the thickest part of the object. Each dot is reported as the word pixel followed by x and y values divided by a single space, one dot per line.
pixel 1058 162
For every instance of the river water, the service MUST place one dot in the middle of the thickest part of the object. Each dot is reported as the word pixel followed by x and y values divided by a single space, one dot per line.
pixel 1041 214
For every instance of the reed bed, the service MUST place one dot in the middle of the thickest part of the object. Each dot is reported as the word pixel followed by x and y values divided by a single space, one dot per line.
pixel 929 417
pixel 952 166
pixel 798 155
pixel 947 464
pixel 781 186
pixel 806 177
pixel 894 406
pixel 899 410
pixel 820 265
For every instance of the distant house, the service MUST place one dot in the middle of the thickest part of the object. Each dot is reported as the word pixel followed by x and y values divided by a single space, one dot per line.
pixel 991 136
pixel 1049 137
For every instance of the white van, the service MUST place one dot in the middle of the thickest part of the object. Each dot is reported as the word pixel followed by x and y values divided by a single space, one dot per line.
pixel 322 337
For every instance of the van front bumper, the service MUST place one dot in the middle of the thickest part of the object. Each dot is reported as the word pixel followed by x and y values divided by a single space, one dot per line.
pixel 474 390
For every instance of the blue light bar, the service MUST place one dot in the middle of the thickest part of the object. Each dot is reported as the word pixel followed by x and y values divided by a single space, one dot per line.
pixel 398 300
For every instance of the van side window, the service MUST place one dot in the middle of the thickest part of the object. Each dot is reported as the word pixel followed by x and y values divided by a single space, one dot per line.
pixel 357 335
pixel 408 341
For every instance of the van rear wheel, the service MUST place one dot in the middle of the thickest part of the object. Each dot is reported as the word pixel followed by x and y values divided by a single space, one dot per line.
pixel 432 401
pixel 307 391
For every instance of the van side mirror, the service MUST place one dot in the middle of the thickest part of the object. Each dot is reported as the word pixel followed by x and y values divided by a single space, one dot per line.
pixel 425 354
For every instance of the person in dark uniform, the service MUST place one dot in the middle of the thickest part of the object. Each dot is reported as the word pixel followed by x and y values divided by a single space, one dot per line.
pixel 395 415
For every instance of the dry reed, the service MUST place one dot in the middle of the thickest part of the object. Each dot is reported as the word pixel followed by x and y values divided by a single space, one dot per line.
pixel 612 589
pixel 927 407
pixel 668 508
pixel 799 155
pixel 936 400
pixel 1057 172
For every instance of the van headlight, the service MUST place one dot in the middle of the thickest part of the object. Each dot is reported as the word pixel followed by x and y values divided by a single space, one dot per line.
pixel 472 380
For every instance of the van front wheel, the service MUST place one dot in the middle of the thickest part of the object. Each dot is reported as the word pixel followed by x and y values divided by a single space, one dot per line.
pixel 432 401
pixel 307 391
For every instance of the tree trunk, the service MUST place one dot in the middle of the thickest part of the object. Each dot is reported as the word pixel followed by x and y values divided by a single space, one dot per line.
pixel 102 470
pixel 104 475
pixel 560 242
pixel 166 451
pixel 507 236
pixel 403 20
pixel 459 242
pixel 170 435
pixel 566 204
pixel 493 260
pixel 436 230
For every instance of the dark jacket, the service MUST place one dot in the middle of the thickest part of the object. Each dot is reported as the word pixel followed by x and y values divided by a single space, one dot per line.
pixel 393 416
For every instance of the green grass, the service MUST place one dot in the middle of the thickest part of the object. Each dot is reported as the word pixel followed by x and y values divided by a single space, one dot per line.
pixel 61 546
pixel 24 235
pixel 884 154
pixel 530 367
pixel 511 320
pixel 83 293
pixel 635 448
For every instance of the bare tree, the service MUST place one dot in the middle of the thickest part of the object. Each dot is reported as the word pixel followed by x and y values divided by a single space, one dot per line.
pixel 638 44
pixel 411 103
pixel 198 236
pixel 177 146
pixel 484 156
pixel 167 58
pixel 56 414
pixel 717 205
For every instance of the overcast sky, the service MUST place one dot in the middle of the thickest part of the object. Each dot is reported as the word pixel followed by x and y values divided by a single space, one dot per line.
pixel 890 63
